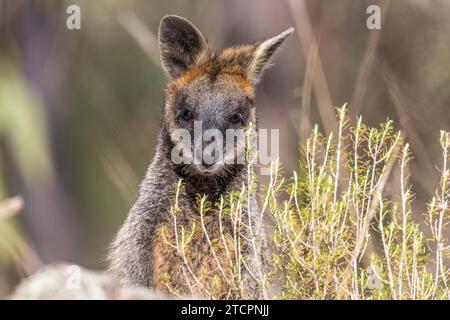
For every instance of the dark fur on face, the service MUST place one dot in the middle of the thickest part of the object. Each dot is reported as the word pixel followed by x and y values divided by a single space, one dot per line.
pixel 216 89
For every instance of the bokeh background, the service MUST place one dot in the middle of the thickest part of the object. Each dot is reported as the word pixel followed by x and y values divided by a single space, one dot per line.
pixel 80 109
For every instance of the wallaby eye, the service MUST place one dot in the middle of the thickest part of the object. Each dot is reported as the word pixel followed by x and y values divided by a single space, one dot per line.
pixel 235 118
pixel 186 115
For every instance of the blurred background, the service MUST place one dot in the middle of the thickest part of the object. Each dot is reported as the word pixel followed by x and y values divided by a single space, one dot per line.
pixel 80 109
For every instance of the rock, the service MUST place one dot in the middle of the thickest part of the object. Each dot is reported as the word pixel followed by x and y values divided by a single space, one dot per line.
pixel 72 282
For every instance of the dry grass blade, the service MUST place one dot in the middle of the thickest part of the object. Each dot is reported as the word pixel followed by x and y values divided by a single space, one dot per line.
pixel 141 34
pixel 320 86
pixel 366 66
pixel 11 206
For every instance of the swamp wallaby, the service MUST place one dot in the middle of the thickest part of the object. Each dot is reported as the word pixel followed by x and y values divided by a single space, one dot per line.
pixel 219 91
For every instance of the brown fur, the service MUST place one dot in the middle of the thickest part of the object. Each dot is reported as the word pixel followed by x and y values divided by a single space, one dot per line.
pixel 170 270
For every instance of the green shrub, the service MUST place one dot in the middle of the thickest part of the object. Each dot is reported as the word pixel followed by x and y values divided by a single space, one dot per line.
pixel 341 226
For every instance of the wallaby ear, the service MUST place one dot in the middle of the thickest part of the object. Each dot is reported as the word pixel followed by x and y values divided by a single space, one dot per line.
pixel 262 53
pixel 181 44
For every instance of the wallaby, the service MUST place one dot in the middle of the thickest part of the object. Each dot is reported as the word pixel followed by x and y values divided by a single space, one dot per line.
pixel 219 90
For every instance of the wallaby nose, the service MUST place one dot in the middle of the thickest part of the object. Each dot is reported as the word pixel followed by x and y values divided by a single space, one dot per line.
pixel 207 165
pixel 209 160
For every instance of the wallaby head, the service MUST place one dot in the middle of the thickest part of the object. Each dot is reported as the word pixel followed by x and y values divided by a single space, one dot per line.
pixel 216 89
